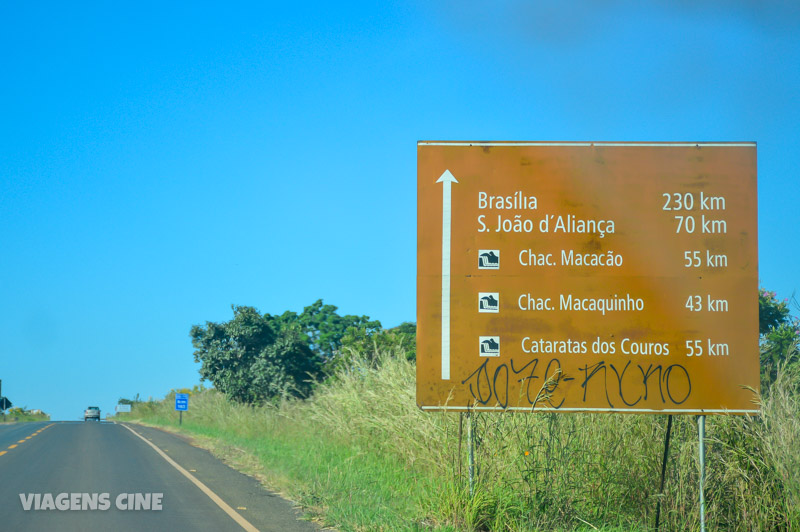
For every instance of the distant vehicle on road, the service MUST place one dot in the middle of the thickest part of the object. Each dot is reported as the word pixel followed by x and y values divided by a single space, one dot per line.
pixel 92 412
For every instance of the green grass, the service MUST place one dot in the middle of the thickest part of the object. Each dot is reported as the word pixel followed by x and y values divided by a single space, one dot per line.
pixel 358 493
pixel 360 455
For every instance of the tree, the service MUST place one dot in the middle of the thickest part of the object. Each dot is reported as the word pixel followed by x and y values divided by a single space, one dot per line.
pixel 400 341
pixel 780 334
pixel 253 357
pixel 125 401
pixel 407 332
pixel 325 328
pixel 771 312
pixel 286 367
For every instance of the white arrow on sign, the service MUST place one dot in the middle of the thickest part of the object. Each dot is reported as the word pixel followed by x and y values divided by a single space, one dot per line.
pixel 448 179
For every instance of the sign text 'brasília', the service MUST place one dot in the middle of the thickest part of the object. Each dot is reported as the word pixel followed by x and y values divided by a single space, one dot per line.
pixel 587 276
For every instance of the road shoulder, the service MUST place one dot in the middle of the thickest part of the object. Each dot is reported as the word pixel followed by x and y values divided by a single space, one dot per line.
pixel 265 509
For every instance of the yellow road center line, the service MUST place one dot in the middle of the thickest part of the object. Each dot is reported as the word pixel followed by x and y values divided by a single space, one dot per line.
pixel 3 452
pixel 244 523
pixel 12 446
pixel 21 441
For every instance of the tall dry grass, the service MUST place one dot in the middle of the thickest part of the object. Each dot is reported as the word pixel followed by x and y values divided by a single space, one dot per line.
pixel 543 471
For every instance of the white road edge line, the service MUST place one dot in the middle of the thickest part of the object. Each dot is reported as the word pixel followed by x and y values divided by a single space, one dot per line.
pixel 244 523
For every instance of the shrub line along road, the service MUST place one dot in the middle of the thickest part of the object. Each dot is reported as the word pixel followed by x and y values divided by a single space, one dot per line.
pixel 42 458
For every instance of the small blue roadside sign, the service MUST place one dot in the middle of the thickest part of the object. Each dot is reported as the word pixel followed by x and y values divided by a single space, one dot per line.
pixel 182 401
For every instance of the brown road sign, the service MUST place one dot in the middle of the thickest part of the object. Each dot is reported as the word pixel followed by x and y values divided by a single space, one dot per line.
pixel 587 276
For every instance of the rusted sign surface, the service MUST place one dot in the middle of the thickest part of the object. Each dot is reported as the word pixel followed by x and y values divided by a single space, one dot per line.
pixel 587 276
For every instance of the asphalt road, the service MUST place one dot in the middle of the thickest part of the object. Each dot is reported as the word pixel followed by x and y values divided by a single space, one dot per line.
pixel 114 480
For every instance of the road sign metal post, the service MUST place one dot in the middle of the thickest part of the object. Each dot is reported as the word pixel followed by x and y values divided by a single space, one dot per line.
pixel 471 446
pixel 701 424
pixel 460 439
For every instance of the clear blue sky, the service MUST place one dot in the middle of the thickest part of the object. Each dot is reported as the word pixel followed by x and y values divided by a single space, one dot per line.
pixel 160 161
